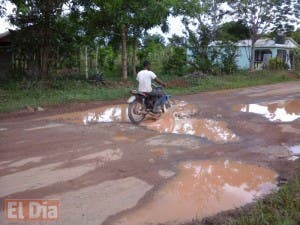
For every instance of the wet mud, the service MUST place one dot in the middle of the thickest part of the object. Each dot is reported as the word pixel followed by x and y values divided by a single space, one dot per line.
pixel 279 111
pixel 178 120
pixel 115 113
pixel 215 131
pixel 221 185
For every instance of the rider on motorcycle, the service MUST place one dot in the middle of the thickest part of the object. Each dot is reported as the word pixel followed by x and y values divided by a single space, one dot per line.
pixel 145 77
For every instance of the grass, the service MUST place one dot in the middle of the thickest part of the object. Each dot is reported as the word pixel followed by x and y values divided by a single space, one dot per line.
pixel 281 208
pixel 17 95
pixel 238 80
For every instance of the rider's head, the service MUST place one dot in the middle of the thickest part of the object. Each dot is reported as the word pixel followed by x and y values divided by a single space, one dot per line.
pixel 147 65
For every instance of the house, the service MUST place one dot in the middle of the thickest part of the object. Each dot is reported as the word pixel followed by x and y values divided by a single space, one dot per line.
pixel 266 49
pixel 5 53
pixel 12 59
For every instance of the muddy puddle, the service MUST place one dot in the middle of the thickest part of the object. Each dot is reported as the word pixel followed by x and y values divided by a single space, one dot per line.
pixel 177 120
pixel 114 113
pixel 216 131
pixel 279 111
pixel 295 149
pixel 200 189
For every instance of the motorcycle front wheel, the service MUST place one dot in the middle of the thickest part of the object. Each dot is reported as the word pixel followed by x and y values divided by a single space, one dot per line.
pixel 136 112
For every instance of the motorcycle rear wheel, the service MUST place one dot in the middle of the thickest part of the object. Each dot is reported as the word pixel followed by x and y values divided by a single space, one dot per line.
pixel 135 112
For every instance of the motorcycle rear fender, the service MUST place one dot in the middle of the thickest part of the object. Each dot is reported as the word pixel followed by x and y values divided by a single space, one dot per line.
pixel 131 99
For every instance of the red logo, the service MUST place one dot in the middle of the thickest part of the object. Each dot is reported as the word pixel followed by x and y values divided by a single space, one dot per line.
pixel 31 209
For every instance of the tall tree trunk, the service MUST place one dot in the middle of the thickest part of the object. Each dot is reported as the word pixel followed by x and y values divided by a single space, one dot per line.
pixel 46 36
pixel 252 57
pixel 44 62
pixel 57 60
pixel 134 57
pixel 124 54
pixel 86 63
pixel 96 60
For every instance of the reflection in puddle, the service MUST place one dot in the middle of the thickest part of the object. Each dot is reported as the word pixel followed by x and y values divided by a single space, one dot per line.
pixel 202 189
pixel 216 131
pixel 183 109
pixel 115 113
pixel 283 111
pixel 111 114
pixel 176 121
pixel 295 149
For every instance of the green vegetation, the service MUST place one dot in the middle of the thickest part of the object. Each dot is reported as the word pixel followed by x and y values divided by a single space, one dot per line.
pixel 281 208
pixel 84 37
pixel 17 95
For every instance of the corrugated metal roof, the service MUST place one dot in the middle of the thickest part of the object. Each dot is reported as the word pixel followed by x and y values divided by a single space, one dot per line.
pixel 269 43
pixel 2 35
pixel 262 43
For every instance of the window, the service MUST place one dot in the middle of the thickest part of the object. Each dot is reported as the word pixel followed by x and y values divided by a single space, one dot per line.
pixel 260 55
pixel 282 54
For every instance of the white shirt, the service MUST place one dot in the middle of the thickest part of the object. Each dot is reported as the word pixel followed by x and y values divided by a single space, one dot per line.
pixel 145 78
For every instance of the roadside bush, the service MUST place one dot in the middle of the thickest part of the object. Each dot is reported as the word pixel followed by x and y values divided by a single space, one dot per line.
pixel 277 63
pixel 297 60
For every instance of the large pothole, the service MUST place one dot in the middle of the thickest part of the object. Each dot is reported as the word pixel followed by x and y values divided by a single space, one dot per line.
pixel 277 111
pixel 178 120
pixel 200 189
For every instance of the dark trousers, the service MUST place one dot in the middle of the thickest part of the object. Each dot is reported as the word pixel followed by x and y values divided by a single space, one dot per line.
pixel 158 96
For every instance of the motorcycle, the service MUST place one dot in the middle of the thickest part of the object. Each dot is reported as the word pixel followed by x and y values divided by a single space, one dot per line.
pixel 141 104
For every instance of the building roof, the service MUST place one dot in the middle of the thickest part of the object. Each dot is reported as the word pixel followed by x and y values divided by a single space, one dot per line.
pixel 5 38
pixel 269 43
pixel 5 34
pixel 262 43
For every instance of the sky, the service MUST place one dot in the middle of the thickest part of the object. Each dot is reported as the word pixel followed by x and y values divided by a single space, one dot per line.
pixel 175 24
pixel 176 27
pixel 4 25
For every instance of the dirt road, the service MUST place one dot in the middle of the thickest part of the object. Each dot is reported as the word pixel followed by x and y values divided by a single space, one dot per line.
pixel 105 170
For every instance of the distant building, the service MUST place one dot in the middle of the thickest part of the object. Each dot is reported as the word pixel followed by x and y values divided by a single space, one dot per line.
pixel 5 53
pixel 265 49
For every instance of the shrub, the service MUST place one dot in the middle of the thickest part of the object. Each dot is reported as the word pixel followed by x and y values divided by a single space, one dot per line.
pixel 277 63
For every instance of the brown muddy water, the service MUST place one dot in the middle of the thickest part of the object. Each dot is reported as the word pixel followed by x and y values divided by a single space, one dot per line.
pixel 216 131
pixel 200 189
pixel 278 111
pixel 178 120
pixel 115 113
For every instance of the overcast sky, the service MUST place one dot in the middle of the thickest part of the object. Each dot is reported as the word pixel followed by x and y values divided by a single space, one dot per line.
pixel 4 25
pixel 176 27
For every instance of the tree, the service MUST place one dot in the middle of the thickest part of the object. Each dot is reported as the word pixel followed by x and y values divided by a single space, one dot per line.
pixel 123 18
pixel 232 31
pixel 175 60
pixel 201 19
pixel 152 48
pixel 260 16
pixel 36 20
pixel 2 8
pixel 296 35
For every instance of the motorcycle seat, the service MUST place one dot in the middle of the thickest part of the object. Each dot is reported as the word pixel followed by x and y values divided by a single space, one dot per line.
pixel 135 92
